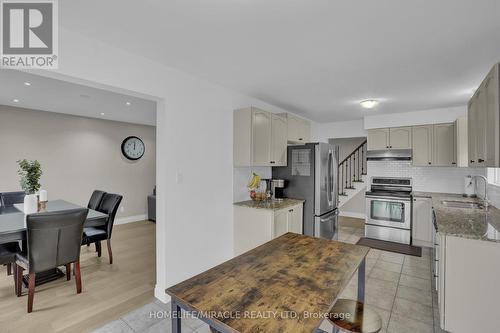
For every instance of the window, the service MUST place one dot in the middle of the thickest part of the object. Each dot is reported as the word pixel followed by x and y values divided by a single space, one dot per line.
pixel 493 176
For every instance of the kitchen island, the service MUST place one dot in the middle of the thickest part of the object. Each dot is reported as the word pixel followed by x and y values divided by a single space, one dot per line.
pixel 466 256
pixel 285 285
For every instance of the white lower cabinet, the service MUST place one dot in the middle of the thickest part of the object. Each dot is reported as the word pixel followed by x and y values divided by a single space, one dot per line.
pixel 467 279
pixel 255 226
pixel 422 222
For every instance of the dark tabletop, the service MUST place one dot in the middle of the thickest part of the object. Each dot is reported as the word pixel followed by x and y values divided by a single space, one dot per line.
pixel 293 273
pixel 13 220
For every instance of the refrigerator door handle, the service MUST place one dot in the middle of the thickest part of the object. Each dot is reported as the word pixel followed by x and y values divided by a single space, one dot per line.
pixel 330 178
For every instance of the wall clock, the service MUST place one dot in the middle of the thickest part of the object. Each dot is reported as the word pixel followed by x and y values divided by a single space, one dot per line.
pixel 133 148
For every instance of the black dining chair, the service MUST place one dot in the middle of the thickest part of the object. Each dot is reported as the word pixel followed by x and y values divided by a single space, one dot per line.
pixel 8 251
pixel 11 198
pixel 109 205
pixel 95 199
pixel 53 240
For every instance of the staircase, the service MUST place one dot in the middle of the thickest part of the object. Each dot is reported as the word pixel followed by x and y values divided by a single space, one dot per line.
pixel 352 174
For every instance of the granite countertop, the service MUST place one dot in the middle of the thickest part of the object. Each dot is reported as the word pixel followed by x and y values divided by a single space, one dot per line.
pixel 269 204
pixel 470 223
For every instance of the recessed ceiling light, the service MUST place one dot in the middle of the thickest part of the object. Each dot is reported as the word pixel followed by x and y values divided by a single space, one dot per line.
pixel 128 103
pixel 15 100
pixel 102 113
pixel 369 103
pixel 27 83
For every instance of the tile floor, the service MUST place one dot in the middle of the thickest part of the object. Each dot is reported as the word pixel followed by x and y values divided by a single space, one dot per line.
pixel 398 287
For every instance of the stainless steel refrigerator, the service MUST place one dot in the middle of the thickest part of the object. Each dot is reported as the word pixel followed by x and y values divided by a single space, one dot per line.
pixel 311 174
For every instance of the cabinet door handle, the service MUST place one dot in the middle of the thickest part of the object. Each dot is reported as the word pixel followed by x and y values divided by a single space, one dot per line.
pixel 429 162
pixel 390 146
pixel 472 161
pixel 272 162
pixel 453 162
pixel 291 210
pixel 480 160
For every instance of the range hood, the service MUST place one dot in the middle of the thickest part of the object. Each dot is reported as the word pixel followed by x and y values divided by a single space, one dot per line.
pixel 389 155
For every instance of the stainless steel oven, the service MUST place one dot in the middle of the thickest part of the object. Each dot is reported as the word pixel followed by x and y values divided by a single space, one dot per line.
pixel 389 210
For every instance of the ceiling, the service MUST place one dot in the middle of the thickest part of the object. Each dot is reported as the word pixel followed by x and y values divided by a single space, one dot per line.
pixel 47 94
pixel 316 58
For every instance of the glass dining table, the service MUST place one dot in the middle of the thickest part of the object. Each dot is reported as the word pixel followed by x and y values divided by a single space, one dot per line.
pixel 13 227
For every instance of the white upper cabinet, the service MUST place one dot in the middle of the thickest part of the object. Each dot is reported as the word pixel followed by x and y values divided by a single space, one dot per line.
pixel 259 138
pixel 422 140
pixel 461 134
pixel 279 140
pixel 444 140
pixel 299 130
pixel 491 90
pixel 484 123
pixel 378 139
pixel 400 138
pixel 389 138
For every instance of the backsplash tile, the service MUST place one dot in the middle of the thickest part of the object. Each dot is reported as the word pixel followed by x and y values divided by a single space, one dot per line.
pixel 427 179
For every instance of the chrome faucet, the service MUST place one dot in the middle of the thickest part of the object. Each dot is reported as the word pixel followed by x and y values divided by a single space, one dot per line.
pixel 485 197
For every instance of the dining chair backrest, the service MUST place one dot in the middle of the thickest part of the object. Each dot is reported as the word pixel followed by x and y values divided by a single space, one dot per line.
pixel 109 205
pixel 54 239
pixel 95 199
pixel 11 198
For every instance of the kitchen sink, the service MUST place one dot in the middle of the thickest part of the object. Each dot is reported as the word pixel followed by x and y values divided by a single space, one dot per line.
pixel 462 204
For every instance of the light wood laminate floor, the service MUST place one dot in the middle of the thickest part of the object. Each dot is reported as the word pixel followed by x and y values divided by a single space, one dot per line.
pixel 109 291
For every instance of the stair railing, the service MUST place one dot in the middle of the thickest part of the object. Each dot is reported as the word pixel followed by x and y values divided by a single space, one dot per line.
pixel 352 168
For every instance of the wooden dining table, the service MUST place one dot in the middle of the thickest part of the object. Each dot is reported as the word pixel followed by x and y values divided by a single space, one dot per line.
pixel 13 227
pixel 286 285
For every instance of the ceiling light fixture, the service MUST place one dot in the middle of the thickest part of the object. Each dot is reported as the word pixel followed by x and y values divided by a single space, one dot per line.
pixel 128 103
pixel 27 84
pixel 15 100
pixel 369 103
pixel 102 113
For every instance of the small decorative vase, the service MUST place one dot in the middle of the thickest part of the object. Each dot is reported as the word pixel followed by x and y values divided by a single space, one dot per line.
pixel 30 204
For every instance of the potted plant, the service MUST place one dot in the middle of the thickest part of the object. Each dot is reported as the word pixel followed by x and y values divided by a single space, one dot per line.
pixel 30 172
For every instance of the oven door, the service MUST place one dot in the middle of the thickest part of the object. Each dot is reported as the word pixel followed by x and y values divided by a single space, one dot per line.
pixel 388 212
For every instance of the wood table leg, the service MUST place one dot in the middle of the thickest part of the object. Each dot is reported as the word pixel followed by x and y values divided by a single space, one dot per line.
pixel 9 269
pixel 108 241
pixel 31 291
pixel 68 272
pixel 176 316
pixel 361 281
pixel 98 248
pixel 78 277
pixel 19 278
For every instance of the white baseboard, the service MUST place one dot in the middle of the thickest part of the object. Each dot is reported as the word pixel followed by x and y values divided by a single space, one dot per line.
pixel 130 219
pixel 161 295
pixel 353 214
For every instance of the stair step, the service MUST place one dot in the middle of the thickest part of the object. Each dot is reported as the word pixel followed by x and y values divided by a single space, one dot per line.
pixel 343 194
pixel 350 188
pixel 358 181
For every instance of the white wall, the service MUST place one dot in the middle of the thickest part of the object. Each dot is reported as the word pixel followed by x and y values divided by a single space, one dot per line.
pixel 341 129
pixel 434 116
pixel 355 128
pixel 78 155
pixel 194 151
